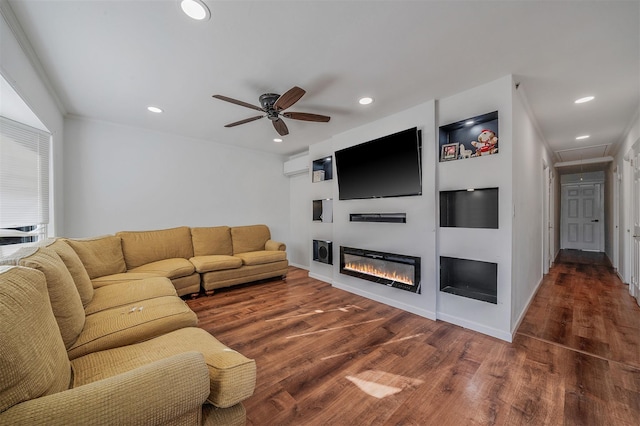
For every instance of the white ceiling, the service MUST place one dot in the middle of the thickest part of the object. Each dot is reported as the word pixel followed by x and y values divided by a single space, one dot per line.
pixel 108 60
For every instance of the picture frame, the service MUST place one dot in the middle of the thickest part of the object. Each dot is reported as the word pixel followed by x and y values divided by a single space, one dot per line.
pixel 449 151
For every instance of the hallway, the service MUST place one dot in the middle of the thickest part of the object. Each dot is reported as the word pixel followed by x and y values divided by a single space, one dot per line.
pixel 584 326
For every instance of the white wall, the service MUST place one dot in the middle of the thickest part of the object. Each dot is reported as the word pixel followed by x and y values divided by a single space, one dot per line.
pixel 529 158
pixel 517 246
pixel 299 247
pixel 124 178
pixel 18 70
pixel 414 238
pixel 631 137
pixel 488 245
pixel 321 230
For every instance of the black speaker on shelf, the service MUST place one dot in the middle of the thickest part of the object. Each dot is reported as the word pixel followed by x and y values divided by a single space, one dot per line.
pixel 323 251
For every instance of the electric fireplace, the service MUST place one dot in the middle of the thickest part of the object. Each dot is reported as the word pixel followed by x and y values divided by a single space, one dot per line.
pixel 390 269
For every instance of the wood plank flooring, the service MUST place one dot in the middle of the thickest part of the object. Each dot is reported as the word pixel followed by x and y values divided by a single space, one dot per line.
pixel 328 357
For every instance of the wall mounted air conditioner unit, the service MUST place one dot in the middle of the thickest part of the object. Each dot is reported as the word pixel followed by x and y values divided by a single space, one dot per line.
pixel 297 165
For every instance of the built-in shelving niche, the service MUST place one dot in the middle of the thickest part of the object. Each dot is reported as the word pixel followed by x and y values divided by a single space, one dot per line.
pixel 469 278
pixel 322 169
pixel 323 210
pixel 469 138
pixel 323 251
pixel 469 208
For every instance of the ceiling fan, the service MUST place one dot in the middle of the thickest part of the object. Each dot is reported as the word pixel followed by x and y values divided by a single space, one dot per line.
pixel 273 106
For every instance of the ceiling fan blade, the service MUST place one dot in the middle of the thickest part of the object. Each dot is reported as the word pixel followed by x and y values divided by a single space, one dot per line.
pixel 305 116
pixel 246 120
pixel 237 102
pixel 289 98
pixel 280 127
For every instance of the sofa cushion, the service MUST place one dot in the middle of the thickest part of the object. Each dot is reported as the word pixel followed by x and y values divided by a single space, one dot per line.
pixel 275 245
pixel 211 240
pixel 249 238
pixel 261 257
pixel 65 299
pixel 132 323
pixel 232 375
pixel 215 263
pixel 123 277
pixel 170 268
pixel 76 268
pixel 33 361
pixel 229 277
pixel 127 293
pixel 142 247
pixel 100 256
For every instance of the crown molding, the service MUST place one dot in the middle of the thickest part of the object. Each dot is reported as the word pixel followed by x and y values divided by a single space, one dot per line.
pixel 16 28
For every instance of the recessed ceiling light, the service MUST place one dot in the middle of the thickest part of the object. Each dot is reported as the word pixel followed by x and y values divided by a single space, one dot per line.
pixel 583 100
pixel 469 123
pixel 582 137
pixel 365 101
pixel 277 140
pixel 154 109
pixel 195 9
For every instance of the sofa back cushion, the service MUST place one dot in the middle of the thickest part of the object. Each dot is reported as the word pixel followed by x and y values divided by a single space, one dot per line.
pixel 33 359
pixel 76 268
pixel 100 256
pixel 249 238
pixel 214 240
pixel 63 294
pixel 142 247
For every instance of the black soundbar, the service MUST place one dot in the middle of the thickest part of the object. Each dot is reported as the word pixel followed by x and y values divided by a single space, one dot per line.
pixel 378 217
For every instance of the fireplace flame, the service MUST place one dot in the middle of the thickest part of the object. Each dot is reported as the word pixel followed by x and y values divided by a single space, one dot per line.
pixel 377 272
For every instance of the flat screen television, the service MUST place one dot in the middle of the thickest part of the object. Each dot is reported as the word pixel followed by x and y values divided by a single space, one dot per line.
pixel 390 166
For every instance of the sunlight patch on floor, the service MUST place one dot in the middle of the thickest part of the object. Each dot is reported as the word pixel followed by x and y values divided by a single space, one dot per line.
pixel 324 330
pixel 380 384
pixel 413 336
pixel 317 312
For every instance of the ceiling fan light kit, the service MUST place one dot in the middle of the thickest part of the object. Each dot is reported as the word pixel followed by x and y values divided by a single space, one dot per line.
pixel 272 106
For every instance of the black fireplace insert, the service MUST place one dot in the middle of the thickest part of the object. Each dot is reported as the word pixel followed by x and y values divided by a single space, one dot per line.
pixel 390 269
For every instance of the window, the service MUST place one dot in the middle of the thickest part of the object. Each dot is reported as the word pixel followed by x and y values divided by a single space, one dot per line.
pixel 24 182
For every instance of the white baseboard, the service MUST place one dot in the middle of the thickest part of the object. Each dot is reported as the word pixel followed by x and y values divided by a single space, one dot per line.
pixel 297 265
pixel 320 277
pixel 387 301
pixel 526 308
pixel 489 331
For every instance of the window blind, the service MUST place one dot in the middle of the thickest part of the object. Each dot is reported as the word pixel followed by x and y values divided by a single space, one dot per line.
pixel 24 176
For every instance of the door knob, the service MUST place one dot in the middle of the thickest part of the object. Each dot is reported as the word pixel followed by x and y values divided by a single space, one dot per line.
pixel 595 220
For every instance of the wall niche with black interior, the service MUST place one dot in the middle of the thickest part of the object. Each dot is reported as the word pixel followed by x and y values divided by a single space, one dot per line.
pixel 469 278
pixel 469 138
pixel 323 251
pixel 469 208
pixel 323 210
pixel 322 169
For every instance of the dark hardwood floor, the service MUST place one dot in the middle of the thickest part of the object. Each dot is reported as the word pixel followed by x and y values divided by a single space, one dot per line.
pixel 328 357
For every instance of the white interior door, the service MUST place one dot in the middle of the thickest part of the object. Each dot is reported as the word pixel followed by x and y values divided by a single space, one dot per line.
pixel 582 214
pixel 552 219
pixel 546 254
pixel 635 198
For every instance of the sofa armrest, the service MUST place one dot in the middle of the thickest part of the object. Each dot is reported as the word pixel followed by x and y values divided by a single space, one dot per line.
pixel 157 393
pixel 275 246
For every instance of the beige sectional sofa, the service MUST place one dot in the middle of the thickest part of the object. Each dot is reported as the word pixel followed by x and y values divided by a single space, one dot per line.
pixel 192 258
pixel 93 331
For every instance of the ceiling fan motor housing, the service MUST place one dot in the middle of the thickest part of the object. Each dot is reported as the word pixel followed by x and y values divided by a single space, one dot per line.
pixel 267 100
